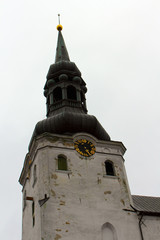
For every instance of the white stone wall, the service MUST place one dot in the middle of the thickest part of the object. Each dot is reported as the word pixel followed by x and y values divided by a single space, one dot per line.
pixel 151 227
pixel 83 202
pixel 28 231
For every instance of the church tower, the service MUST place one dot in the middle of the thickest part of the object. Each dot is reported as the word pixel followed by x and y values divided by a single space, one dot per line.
pixel 74 179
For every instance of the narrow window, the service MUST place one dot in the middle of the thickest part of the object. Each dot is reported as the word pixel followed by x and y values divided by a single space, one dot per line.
pixel 47 103
pixel 57 94
pixel 34 174
pixel 71 93
pixel 48 100
pixel 109 168
pixel 82 98
pixel 33 213
pixel 62 163
pixel 24 200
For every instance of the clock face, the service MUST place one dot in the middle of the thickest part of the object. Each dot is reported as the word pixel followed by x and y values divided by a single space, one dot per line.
pixel 84 147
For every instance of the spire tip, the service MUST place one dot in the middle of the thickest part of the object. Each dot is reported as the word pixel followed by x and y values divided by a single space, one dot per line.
pixel 59 26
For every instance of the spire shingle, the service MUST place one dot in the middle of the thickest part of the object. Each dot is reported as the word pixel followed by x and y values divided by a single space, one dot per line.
pixel 61 51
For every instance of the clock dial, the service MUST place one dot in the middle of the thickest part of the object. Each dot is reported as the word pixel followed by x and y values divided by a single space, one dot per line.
pixel 84 147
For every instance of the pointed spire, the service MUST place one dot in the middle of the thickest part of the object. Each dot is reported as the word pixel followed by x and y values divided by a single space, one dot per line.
pixel 61 51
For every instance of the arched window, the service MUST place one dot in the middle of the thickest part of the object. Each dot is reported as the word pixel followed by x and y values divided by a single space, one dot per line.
pixel 71 93
pixel 62 163
pixel 57 94
pixel 108 232
pixel 109 168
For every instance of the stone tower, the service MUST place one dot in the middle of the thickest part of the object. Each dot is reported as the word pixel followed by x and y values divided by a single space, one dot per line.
pixel 74 179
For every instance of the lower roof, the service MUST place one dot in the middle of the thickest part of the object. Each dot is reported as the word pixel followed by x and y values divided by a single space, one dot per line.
pixel 146 204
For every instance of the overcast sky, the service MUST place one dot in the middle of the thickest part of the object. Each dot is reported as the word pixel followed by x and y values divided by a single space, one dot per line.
pixel 115 44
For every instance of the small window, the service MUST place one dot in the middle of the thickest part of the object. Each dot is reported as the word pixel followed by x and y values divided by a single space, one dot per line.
pixel 47 103
pixel 71 93
pixel 33 213
pixel 82 98
pixel 57 94
pixel 62 163
pixel 109 168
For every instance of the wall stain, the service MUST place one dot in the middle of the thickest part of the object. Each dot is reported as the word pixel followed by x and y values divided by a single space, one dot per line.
pixel 67 222
pixel 62 202
pixel 98 180
pixel 52 139
pixel 58 230
pixel 57 237
pixel 53 193
pixel 67 144
pixel 124 182
pixel 44 205
pixel 125 185
pixel 54 176
pixel 122 201
pixel 107 192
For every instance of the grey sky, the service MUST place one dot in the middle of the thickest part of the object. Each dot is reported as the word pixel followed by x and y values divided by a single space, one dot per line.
pixel 115 44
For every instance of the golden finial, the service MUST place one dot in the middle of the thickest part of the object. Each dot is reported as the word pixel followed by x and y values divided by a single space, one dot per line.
pixel 59 26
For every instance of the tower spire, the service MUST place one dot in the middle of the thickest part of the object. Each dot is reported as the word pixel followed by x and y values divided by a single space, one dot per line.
pixel 65 93
pixel 61 50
